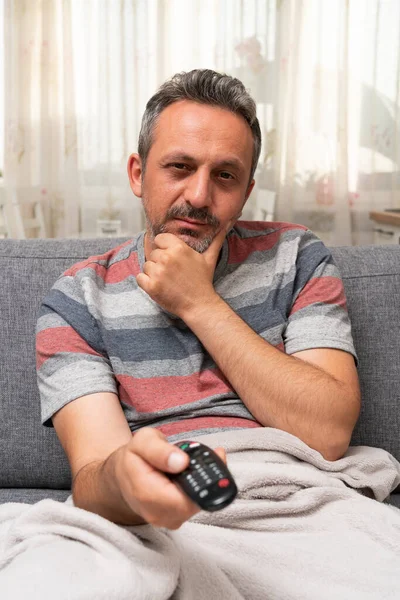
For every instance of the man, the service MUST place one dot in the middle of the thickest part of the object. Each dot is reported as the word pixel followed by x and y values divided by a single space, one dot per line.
pixel 197 326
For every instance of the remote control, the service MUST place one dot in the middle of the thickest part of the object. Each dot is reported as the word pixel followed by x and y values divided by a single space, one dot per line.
pixel 207 480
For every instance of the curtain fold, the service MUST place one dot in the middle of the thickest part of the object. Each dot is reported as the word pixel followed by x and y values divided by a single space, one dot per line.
pixel 338 115
pixel 40 115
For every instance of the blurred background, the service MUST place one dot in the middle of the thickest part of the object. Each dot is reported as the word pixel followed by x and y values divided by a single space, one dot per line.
pixel 75 76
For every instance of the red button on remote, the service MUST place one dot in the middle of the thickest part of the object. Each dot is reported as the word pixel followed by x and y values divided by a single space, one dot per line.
pixel 223 483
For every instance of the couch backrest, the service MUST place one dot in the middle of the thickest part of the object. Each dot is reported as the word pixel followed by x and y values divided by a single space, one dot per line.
pixel 371 276
pixel 31 454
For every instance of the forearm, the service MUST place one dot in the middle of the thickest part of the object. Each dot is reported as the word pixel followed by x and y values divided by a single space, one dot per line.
pixel 95 489
pixel 279 390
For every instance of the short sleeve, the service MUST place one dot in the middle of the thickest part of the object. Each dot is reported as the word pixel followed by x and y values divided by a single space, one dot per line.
pixel 70 357
pixel 318 315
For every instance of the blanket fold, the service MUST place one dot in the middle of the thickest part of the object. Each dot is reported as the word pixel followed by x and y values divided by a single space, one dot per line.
pixel 301 528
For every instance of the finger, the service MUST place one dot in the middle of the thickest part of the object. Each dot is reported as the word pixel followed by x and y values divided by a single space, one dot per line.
pixel 142 280
pixel 221 453
pixel 212 252
pixel 151 445
pixel 156 498
pixel 150 268
pixel 167 240
pixel 157 255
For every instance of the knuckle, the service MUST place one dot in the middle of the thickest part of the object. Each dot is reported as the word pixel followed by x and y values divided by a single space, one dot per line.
pixel 145 433
pixel 142 496
pixel 148 516
pixel 174 526
pixel 157 518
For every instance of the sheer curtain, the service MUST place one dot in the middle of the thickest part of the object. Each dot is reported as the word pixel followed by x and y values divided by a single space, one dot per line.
pixel 338 114
pixel 40 115
pixel 325 76
pixel 123 50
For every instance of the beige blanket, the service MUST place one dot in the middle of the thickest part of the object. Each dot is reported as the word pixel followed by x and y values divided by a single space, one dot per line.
pixel 301 528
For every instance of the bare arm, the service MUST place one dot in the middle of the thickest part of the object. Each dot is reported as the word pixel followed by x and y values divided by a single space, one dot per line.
pixel 313 395
pixel 117 475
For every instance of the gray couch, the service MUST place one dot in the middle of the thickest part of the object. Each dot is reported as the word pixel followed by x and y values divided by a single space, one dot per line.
pixel 33 465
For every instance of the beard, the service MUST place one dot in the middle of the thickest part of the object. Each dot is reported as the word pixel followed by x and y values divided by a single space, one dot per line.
pixel 192 238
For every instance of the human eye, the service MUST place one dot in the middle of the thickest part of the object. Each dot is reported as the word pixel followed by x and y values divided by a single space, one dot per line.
pixel 226 175
pixel 179 166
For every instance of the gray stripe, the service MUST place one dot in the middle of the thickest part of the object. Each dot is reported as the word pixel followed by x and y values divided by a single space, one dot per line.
pixel 69 287
pixel 273 335
pixel 189 365
pixel 155 343
pixel 87 378
pixel 49 321
pixel 245 233
pixel 324 331
pixel 134 302
pixel 57 362
pixel 326 270
pixel 188 435
pixel 124 253
pixel 164 367
pixel 262 292
pixel 133 322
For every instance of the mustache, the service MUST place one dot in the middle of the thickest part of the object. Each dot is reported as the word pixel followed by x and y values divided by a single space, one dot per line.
pixel 189 212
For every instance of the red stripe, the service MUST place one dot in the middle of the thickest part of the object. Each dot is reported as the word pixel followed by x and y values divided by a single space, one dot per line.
pixel 327 290
pixel 123 269
pixel 206 423
pixel 264 225
pixel 59 339
pixel 159 393
pixel 112 274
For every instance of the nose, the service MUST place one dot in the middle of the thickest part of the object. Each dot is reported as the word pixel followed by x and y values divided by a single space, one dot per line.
pixel 198 189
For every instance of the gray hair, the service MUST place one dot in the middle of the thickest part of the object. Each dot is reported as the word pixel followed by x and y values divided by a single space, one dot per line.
pixel 206 87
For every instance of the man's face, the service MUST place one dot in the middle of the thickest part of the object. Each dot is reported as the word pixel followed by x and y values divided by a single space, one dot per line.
pixel 197 173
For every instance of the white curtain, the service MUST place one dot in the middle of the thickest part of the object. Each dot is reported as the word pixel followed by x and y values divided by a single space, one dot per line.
pixel 40 158
pixel 325 75
pixel 338 119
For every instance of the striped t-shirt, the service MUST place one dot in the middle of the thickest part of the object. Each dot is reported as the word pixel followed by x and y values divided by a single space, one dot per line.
pixel 98 331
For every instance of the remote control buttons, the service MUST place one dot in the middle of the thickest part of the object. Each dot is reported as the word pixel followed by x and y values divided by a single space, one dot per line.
pixel 223 483
pixel 206 479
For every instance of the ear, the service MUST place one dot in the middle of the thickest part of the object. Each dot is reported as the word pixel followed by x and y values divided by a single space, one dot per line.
pixel 135 174
pixel 249 190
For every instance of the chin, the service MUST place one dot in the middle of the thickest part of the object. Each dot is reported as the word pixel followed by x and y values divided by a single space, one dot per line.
pixel 200 245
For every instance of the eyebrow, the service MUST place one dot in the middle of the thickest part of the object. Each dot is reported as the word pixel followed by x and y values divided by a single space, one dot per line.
pixel 234 163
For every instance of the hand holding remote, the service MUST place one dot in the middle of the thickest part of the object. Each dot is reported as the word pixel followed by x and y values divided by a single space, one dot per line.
pixel 141 476
pixel 207 480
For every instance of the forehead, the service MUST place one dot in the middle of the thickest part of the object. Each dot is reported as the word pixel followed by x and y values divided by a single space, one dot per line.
pixel 202 129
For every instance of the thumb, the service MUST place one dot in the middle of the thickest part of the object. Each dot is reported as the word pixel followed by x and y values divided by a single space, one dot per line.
pixel 221 453
pixel 212 252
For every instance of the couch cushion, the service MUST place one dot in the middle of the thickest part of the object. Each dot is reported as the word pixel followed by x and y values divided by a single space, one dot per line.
pixel 371 276
pixel 31 454
pixel 30 496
